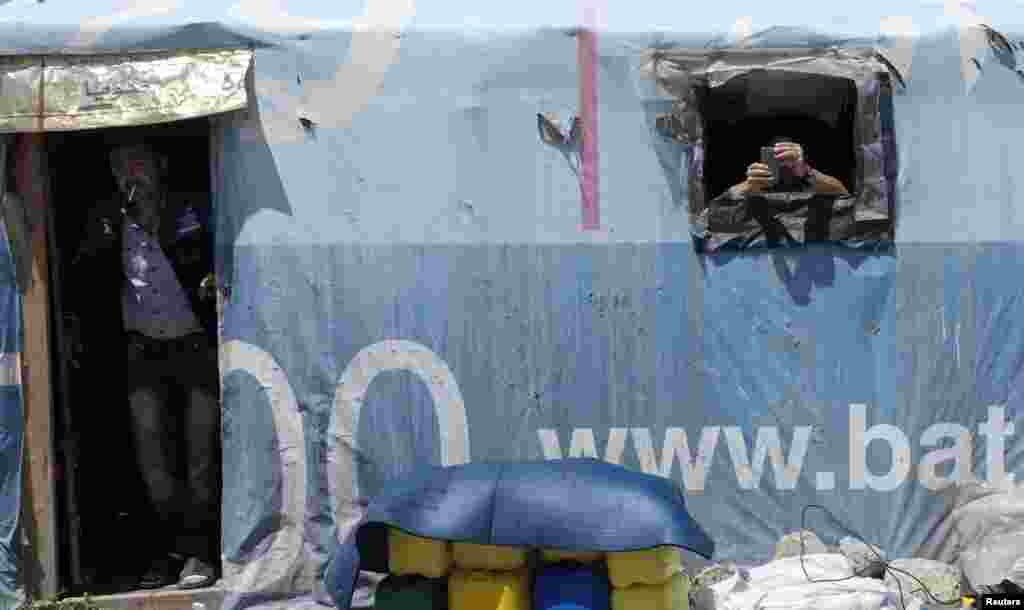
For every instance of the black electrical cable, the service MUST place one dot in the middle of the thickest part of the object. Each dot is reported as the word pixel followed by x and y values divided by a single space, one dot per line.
pixel 885 565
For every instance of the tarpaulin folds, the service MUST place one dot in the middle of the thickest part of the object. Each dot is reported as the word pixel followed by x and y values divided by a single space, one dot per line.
pixel 569 504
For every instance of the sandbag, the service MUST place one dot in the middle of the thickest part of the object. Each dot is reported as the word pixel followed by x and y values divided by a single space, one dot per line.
pixel 411 593
pixel 853 594
pixel 1016 575
pixel 410 555
pixel 486 557
pixel 788 571
pixel 483 590
pixel 992 559
pixel 784 584
pixel 648 567
pixel 998 510
pixel 558 587
pixel 556 556
pixel 990 528
pixel 671 595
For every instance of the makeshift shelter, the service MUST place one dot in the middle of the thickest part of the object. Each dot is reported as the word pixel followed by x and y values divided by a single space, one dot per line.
pixel 411 273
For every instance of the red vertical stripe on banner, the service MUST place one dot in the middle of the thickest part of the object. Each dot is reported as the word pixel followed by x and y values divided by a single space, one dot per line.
pixel 590 186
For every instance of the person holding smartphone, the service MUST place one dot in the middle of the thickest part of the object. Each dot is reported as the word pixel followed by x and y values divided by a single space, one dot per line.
pixel 782 169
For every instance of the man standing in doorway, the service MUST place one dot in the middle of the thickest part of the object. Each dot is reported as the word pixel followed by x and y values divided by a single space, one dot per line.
pixel 159 245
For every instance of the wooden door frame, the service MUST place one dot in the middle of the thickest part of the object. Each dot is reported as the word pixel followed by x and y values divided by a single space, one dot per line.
pixel 39 553
pixel 47 463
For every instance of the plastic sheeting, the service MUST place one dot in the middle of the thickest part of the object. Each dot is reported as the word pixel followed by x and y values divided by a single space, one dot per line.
pixel 366 335
pixel 988 525
pixel 576 504
pixel 12 421
pixel 785 584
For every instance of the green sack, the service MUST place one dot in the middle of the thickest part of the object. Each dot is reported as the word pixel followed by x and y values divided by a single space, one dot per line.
pixel 411 593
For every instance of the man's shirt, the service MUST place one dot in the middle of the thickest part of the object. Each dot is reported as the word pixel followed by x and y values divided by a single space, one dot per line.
pixel 154 301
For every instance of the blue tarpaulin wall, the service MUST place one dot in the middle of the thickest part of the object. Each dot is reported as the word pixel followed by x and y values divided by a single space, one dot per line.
pixel 410 284
pixel 425 289
pixel 12 425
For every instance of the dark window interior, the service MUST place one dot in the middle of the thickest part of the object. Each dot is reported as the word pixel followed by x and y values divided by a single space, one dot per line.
pixel 743 114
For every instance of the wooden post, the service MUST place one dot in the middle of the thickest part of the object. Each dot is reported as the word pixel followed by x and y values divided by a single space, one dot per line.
pixel 39 506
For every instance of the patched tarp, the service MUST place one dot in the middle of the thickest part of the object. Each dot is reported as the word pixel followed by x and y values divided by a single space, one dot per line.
pixel 407 281
pixel 481 323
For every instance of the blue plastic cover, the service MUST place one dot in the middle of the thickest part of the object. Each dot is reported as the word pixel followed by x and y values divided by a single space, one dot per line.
pixel 570 504
pixel 12 426
pixel 414 287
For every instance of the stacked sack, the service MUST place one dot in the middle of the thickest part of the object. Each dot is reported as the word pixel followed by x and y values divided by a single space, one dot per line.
pixel 489 578
pixel 571 579
pixel 653 579
pixel 435 574
pixel 418 570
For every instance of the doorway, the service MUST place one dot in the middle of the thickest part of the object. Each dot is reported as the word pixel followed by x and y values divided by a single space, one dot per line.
pixel 106 521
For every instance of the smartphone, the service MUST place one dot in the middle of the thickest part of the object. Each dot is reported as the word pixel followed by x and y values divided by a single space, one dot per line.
pixel 768 158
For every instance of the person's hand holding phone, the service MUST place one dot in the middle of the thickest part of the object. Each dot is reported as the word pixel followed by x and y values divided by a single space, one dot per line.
pixel 759 178
pixel 791 155
pixel 764 174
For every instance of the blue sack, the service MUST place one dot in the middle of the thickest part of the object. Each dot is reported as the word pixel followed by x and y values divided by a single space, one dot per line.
pixel 571 587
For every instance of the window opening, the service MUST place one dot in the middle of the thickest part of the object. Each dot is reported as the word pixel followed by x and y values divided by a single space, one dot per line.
pixel 834 104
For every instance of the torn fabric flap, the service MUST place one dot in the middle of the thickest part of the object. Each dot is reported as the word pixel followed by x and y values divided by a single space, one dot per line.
pixel 675 68
pixel 733 223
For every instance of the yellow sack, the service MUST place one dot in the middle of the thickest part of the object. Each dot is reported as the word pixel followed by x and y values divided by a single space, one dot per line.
pixel 410 555
pixel 554 556
pixel 673 595
pixel 481 590
pixel 650 567
pixel 486 557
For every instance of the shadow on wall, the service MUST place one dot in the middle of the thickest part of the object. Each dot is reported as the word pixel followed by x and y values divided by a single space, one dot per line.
pixel 241 154
pixel 802 270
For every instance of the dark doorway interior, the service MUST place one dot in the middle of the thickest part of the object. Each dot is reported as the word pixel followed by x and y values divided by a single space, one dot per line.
pixel 113 513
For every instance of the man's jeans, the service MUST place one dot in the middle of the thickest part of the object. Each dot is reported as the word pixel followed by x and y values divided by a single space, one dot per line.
pixel 163 422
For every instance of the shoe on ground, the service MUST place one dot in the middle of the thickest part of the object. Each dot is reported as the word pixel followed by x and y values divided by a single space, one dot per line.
pixel 160 573
pixel 197 574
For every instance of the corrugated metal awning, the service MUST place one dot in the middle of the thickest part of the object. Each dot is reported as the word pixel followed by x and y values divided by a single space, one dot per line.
pixel 62 93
